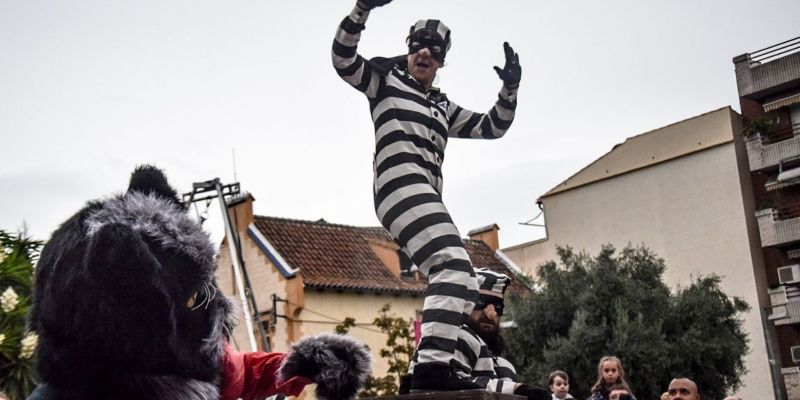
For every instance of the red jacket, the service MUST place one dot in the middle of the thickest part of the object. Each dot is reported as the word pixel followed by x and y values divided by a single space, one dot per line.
pixel 255 376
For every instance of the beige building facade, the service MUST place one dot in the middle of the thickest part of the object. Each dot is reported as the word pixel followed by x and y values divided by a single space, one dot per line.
pixel 683 191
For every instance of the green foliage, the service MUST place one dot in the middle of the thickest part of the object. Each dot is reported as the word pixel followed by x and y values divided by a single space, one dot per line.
pixel 617 304
pixel 758 125
pixel 398 352
pixel 344 327
pixel 17 256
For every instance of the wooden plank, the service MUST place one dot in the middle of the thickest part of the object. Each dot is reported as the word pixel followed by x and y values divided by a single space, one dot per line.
pixel 475 394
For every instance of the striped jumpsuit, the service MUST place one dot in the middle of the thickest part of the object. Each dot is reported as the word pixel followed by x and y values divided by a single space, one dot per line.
pixel 412 126
pixel 476 363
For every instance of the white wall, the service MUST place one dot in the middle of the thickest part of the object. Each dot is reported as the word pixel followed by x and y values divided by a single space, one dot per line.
pixel 688 210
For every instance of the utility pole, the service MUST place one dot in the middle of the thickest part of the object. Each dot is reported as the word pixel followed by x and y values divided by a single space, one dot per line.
pixel 206 191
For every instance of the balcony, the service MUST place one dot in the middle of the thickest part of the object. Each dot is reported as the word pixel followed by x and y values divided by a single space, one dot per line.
pixel 785 302
pixel 766 150
pixel 779 226
pixel 768 71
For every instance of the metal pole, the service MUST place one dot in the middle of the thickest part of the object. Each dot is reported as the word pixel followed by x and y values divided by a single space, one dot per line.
pixel 251 294
pixel 773 365
pixel 237 272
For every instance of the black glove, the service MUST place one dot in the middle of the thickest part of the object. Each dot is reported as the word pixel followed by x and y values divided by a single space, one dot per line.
pixel 532 392
pixel 511 72
pixel 370 4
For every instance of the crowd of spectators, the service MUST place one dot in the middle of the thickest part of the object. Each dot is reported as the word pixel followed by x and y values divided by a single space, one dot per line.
pixel 611 384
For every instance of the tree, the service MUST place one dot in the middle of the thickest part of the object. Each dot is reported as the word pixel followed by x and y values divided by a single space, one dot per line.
pixel 17 345
pixel 617 304
pixel 398 352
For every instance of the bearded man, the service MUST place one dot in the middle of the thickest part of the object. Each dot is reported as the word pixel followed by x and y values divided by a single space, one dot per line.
pixel 478 356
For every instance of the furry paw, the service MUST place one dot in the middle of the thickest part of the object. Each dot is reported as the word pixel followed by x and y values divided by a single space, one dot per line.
pixel 338 365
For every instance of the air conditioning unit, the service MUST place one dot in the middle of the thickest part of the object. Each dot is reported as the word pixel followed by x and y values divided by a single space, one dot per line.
pixel 795 354
pixel 789 274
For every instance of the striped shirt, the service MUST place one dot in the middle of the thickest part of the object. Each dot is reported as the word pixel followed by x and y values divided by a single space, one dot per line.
pixel 412 124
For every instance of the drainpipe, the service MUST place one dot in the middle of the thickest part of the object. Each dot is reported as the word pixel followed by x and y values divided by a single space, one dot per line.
pixel 773 365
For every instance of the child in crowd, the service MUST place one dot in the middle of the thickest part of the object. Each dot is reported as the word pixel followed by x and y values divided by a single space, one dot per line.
pixel 609 373
pixel 559 385
pixel 619 391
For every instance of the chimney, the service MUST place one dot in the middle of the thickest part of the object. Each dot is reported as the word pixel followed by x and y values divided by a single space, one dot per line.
pixel 240 211
pixel 486 234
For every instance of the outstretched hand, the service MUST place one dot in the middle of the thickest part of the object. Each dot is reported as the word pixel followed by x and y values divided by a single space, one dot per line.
pixel 370 4
pixel 511 73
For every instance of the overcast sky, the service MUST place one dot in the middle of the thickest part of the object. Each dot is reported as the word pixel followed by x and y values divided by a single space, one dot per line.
pixel 89 89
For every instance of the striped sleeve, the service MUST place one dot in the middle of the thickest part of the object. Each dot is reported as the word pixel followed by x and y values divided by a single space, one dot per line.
pixel 492 125
pixel 350 65
pixel 474 362
pixel 505 370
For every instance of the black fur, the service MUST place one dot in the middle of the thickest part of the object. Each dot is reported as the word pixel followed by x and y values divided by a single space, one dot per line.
pixel 110 301
pixel 338 364
pixel 148 179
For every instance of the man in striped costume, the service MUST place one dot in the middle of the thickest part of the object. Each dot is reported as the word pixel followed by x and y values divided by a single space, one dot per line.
pixel 413 121
pixel 478 352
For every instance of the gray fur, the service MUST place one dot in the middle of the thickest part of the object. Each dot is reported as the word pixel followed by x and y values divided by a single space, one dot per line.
pixel 135 258
pixel 338 364
pixel 157 218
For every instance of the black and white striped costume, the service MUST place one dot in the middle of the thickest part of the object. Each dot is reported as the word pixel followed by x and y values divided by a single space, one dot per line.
pixel 473 359
pixel 412 126
pixel 475 362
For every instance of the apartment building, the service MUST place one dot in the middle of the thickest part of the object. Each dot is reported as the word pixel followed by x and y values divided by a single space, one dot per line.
pixel 768 81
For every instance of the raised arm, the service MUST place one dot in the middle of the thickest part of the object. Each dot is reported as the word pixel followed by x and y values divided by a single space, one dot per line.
pixel 348 63
pixel 494 124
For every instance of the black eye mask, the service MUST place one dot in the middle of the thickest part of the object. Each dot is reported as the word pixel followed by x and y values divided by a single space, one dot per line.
pixel 420 40
pixel 485 300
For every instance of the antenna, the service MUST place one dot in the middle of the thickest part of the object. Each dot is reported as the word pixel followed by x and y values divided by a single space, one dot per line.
pixel 530 221
pixel 233 153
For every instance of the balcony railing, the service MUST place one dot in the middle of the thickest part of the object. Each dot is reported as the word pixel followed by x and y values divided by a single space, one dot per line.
pixel 785 300
pixel 786 314
pixel 787 212
pixel 780 134
pixel 764 72
pixel 776 50
pixel 766 150
pixel 778 227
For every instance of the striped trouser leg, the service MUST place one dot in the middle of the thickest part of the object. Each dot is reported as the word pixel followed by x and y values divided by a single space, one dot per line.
pixel 411 209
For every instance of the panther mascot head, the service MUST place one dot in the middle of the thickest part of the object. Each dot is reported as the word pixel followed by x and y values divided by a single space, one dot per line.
pixel 126 306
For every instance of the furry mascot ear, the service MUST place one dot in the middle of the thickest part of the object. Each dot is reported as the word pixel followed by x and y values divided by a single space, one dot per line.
pixel 338 364
pixel 147 179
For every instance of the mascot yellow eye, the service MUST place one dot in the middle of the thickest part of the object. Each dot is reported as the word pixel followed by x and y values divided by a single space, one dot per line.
pixel 192 300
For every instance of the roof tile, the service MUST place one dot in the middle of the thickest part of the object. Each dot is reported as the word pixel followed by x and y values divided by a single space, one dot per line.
pixel 333 256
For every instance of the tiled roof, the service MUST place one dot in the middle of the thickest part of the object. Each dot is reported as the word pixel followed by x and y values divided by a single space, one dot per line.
pixel 333 256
